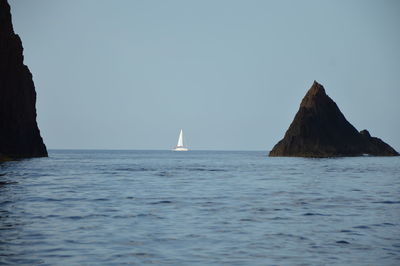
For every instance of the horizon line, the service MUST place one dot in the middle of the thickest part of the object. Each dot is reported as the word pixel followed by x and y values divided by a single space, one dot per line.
pixel 107 149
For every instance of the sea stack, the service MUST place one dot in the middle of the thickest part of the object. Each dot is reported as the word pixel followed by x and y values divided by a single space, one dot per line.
pixel 19 133
pixel 319 129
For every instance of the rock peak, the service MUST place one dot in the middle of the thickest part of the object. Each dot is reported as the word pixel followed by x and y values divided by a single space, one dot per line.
pixel 319 129
pixel 6 27
pixel 314 94
pixel 365 133
pixel 316 88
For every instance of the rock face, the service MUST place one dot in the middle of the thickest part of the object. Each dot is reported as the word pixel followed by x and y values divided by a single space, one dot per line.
pixel 319 129
pixel 19 133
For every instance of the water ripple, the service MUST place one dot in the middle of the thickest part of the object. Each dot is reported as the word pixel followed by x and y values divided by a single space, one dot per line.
pixel 198 208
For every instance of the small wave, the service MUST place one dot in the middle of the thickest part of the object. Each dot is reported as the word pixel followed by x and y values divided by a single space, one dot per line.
pixel 124 216
pixel 57 199
pixel 387 202
pixel 206 169
pixel 361 227
pixel 130 197
pixel 315 214
pixel 280 218
pixel 52 199
pixel 282 209
pixel 142 254
pixel 247 220
pixel 79 217
pixel 140 169
pixel 342 242
pixel 208 203
pixel 388 224
pixel 192 236
pixel 72 241
pixel 288 236
pixel 136 254
pixel 161 202
pixel 149 215
pixel 101 199
pixel 50 250
pixel 384 224
pixel 75 217
pixel 44 216
pixel 4 183
pixel 164 173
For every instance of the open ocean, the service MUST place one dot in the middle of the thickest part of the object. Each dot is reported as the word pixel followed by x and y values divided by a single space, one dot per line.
pixel 199 208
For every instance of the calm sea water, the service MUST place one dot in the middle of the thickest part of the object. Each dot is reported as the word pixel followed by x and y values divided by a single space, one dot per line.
pixel 199 208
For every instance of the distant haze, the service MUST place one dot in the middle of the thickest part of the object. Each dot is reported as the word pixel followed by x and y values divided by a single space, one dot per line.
pixel 130 74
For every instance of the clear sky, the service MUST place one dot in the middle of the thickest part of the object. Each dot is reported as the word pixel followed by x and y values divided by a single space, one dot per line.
pixel 128 74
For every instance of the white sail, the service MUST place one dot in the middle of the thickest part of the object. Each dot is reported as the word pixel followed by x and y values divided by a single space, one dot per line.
pixel 180 139
pixel 180 146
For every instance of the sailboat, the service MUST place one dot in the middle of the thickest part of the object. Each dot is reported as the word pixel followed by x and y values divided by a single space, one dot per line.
pixel 180 146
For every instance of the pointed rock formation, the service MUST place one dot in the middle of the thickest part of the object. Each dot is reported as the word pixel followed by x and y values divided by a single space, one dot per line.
pixel 19 133
pixel 319 129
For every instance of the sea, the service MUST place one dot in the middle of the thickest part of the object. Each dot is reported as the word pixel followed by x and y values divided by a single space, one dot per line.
pixel 102 207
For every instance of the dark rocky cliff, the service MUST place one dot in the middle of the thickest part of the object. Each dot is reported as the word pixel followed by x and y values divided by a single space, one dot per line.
pixel 19 133
pixel 319 129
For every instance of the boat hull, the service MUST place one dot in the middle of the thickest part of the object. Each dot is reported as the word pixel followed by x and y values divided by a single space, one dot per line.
pixel 180 149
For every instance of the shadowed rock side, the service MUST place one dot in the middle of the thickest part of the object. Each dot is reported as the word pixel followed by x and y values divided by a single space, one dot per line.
pixel 319 129
pixel 19 133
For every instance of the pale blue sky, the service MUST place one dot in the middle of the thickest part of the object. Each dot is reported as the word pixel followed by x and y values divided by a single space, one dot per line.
pixel 129 74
